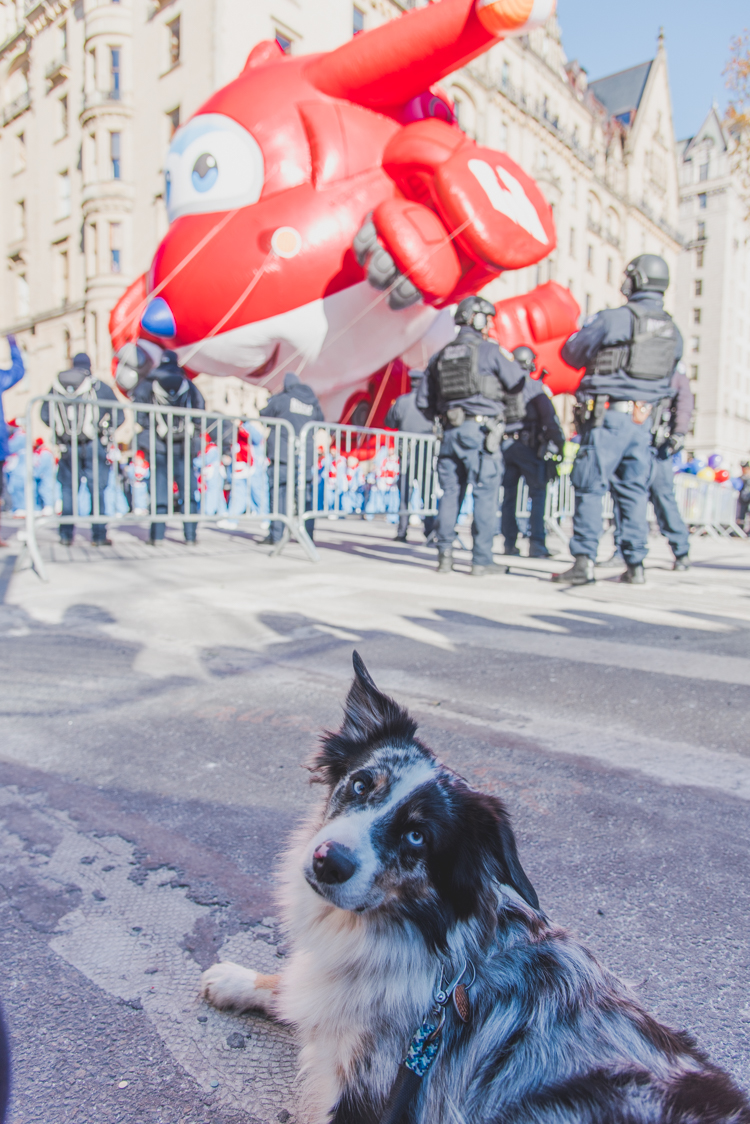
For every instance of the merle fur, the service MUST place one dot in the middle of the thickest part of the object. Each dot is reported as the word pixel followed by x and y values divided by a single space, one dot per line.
pixel 554 1038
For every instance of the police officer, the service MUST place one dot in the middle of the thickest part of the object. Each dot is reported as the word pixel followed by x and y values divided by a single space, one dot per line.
pixel 672 420
pixel 630 354
pixel 297 403
pixel 94 427
pixel 405 416
pixel 525 447
pixel 467 387
pixel 167 386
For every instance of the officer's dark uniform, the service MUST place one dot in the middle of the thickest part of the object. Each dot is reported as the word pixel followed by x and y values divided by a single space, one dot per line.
pixel 167 386
pixel 671 423
pixel 524 448
pixel 405 416
pixel 630 354
pixel 93 426
pixel 466 387
pixel 297 404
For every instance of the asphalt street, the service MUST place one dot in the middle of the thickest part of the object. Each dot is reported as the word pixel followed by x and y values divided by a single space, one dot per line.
pixel 158 707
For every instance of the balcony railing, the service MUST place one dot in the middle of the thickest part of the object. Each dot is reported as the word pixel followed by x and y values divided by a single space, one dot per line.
pixel 18 106
pixel 541 113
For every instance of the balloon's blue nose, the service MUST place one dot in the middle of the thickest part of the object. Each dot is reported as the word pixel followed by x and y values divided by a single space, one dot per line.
pixel 158 318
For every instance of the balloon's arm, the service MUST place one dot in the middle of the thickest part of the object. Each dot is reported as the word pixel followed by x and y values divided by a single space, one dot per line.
pixel 398 60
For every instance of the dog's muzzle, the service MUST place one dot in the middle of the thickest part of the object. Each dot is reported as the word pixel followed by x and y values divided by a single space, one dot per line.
pixel 333 863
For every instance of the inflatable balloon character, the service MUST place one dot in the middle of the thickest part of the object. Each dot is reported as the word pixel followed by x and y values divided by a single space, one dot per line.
pixel 542 320
pixel 325 208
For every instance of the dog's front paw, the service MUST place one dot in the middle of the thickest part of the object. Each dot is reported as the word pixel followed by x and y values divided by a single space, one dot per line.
pixel 230 986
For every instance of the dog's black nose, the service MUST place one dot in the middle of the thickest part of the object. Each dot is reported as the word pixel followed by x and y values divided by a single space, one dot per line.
pixel 333 863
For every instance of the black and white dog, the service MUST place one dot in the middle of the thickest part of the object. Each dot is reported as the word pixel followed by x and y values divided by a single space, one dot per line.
pixel 405 874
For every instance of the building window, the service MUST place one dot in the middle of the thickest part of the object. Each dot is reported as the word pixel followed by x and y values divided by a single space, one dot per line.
pixel 93 250
pixel 64 42
pixel 115 87
pixel 173 117
pixel 503 136
pixel 703 173
pixel 173 30
pixel 587 305
pixel 115 247
pixel 574 192
pixel 610 268
pixel 590 259
pixel 694 371
pixel 63 276
pixel 699 258
pixel 114 154
pixel 699 287
pixel 695 343
pixel 21 218
pixel 284 42
pixel 358 20
pixel 505 79
pixel 572 243
pixel 64 116
pixel 702 201
pixel 23 303
pixel 63 195
pixel 701 230
pixel 696 316
pixel 20 152
pixel 91 160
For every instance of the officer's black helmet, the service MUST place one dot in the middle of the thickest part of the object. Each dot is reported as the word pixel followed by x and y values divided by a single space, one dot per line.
pixel 525 357
pixel 647 271
pixel 474 311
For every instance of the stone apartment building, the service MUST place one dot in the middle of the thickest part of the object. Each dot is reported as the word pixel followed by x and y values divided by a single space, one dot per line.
pixel 713 291
pixel 92 90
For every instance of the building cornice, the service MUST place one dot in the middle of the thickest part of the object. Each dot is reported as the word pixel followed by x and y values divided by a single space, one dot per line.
pixel 36 18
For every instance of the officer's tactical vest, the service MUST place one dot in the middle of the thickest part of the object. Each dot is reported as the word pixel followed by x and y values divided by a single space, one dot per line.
pixel 651 352
pixel 458 374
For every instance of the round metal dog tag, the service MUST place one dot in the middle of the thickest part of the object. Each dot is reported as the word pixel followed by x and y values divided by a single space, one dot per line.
pixel 461 1003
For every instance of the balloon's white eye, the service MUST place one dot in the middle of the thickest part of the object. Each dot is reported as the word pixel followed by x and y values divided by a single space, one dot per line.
pixel 414 838
pixel 213 165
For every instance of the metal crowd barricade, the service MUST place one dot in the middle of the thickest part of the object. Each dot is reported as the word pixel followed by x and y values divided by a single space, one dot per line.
pixel 350 470
pixel 707 508
pixel 175 443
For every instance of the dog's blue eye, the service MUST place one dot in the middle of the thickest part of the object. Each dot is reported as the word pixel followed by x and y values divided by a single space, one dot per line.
pixel 415 838
pixel 359 788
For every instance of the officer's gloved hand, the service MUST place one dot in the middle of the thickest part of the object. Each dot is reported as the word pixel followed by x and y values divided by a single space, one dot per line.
pixel 675 443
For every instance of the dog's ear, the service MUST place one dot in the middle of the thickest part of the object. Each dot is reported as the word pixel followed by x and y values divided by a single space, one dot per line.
pixel 369 716
pixel 483 850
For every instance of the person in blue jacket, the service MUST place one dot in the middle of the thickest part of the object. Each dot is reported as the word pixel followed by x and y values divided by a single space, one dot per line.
pixel 8 378
pixel 630 354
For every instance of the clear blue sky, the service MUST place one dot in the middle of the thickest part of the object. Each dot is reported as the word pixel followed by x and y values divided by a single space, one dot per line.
pixel 606 37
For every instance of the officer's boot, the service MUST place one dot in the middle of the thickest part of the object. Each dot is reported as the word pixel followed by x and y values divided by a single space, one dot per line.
pixel 580 573
pixel 681 562
pixel 634 575
pixel 445 561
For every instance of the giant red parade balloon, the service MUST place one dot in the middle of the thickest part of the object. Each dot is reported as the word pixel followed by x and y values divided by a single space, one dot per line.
pixel 325 208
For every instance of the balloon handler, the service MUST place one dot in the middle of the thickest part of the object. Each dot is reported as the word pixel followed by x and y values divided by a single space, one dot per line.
pixel 471 387
pixel 630 354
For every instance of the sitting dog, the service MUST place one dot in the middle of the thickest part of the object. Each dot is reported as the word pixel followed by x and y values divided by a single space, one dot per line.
pixel 408 878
